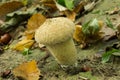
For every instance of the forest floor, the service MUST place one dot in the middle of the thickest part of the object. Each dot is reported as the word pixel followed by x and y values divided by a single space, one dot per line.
pixel 89 58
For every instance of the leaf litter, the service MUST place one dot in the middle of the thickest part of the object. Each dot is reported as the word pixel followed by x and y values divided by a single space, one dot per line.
pixel 30 18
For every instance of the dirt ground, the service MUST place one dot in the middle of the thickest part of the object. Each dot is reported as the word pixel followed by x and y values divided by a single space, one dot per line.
pixel 89 59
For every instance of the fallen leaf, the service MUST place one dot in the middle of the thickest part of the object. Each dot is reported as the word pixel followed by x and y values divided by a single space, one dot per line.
pixel 92 27
pixel 69 4
pixel 108 33
pixel 70 14
pixel 80 7
pixel 33 23
pixel 116 53
pixel 85 39
pixel 46 1
pixel 60 7
pixel 114 11
pixel 78 34
pixel 15 18
pixel 26 51
pixel 109 23
pixel 49 3
pixel 27 71
pixel 9 7
pixel 89 6
pixel 27 2
pixel 57 8
pixel 25 43
pixel 107 55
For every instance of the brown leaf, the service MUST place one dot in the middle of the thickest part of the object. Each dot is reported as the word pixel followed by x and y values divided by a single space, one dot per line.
pixel 27 71
pixel 33 23
pixel 108 33
pixel 70 14
pixel 47 1
pixel 9 7
pixel 25 43
pixel 90 6
pixel 51 4
pixel 114 11
pixel 80 7
pixel 54 5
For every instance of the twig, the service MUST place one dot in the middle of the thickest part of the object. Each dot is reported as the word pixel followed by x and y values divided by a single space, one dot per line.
pixel 83 78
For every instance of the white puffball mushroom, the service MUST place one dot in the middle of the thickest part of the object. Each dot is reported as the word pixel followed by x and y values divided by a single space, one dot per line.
pixel 56 34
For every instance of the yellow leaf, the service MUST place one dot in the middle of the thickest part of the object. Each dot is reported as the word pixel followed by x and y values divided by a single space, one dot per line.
pixel 78 34
pixel 70 14
pixel 33 23
pixel 29 34
pixel 9 7
pixel 27 71
pixel 25 43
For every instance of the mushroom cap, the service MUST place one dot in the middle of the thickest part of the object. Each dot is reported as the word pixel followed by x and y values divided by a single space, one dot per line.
pixel 55 30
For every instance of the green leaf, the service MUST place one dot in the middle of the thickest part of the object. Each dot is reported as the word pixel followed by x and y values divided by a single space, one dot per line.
pixel 116 53
pixel 109 23
pixel 85 28
pixel 106 56
pixel 69 4
pixel 61 2
pixel 26 51
pixel 91 27
pixel 94 26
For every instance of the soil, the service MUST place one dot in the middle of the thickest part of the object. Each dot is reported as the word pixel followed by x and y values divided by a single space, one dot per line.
pixel 89 60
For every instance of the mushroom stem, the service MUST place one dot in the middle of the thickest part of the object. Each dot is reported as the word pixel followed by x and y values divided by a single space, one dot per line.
pixel 65 52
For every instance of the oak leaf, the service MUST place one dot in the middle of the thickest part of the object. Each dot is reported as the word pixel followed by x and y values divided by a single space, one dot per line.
pixel 25 43
pixel 10 7
pixel 27 71
pixel 33 23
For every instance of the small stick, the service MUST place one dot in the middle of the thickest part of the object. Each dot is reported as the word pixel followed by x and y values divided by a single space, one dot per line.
pixel 83 78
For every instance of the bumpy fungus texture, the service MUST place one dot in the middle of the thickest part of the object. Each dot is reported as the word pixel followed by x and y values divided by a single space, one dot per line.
pixel 56 34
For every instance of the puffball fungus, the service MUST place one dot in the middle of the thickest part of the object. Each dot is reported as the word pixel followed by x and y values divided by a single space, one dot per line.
pixel 56 34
